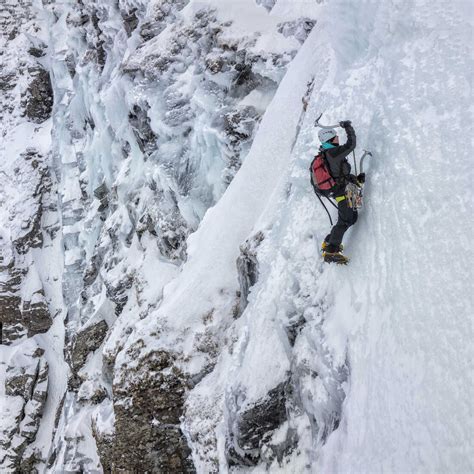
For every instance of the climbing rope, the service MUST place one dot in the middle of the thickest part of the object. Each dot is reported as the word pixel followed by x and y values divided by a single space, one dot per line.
pixel 322 203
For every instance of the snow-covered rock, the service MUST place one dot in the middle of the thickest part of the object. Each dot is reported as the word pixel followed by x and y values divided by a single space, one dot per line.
pixel 163 305
pixel 23 397
pixel 32 368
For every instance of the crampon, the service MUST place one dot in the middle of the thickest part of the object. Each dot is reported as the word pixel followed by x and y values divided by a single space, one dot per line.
pixel 335 257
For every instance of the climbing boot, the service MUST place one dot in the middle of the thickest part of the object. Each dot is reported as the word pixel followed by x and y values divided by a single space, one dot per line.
pixel 335 257
pixel 325 245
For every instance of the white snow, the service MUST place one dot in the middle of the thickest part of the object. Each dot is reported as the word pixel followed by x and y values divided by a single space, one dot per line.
pixel 404 303
pixel 401 312
pixel 385 346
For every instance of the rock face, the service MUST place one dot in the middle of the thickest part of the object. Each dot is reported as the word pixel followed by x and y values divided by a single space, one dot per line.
pixel 87 340
pixel 254 427
pixel 39 102
pixel 247 267
pixel 30 257
pixel 35 314
pixel 24 306
pixel 26 197
pixel 147 416
pixel 26 388
pixel 10 304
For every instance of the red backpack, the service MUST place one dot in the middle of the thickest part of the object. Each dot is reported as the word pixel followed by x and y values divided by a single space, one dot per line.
pixel 321 178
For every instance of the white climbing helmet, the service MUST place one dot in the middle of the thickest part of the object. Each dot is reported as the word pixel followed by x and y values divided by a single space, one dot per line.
pixel 326 134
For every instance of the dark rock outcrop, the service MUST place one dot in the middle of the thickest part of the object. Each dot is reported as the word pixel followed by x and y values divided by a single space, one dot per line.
pixel 10 304
pixel 37 52
pixel 7 81
pixel 249 442
pixel 130 20
pixel 86 341
pixel 105 449
pixel 147 409
pixel 26 389
pixel 36 316
pixel 39 102
pixel 118 292
pixel 31 235
pixel 247 267
pixel 102 193
pixel 24 308
pixel 19 316
pixel 294 327
pixel 162 12
pixel 142 130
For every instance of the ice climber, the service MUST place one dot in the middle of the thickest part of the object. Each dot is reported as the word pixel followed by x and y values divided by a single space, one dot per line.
pixel 330 176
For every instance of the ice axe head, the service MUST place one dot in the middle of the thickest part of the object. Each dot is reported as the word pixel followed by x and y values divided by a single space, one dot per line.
pixel 317 124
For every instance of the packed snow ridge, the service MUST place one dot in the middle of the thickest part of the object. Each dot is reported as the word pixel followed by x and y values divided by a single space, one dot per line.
pixel 163 303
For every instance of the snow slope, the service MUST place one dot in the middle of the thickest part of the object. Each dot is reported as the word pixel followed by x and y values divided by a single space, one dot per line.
pixel 357 369
pixel 398 317
pixel 400 313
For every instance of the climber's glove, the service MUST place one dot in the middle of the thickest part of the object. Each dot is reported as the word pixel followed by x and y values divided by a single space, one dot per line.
pixel 345 123
pixel 361 178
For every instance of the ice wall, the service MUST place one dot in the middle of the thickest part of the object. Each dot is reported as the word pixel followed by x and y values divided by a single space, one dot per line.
pixel 163 303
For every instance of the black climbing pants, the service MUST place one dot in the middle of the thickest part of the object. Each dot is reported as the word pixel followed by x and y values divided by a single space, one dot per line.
pixel 346 217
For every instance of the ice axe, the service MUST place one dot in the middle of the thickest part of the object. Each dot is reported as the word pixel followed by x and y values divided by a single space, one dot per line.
pixel 366 152
pixel 317 124
pixel 361 162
